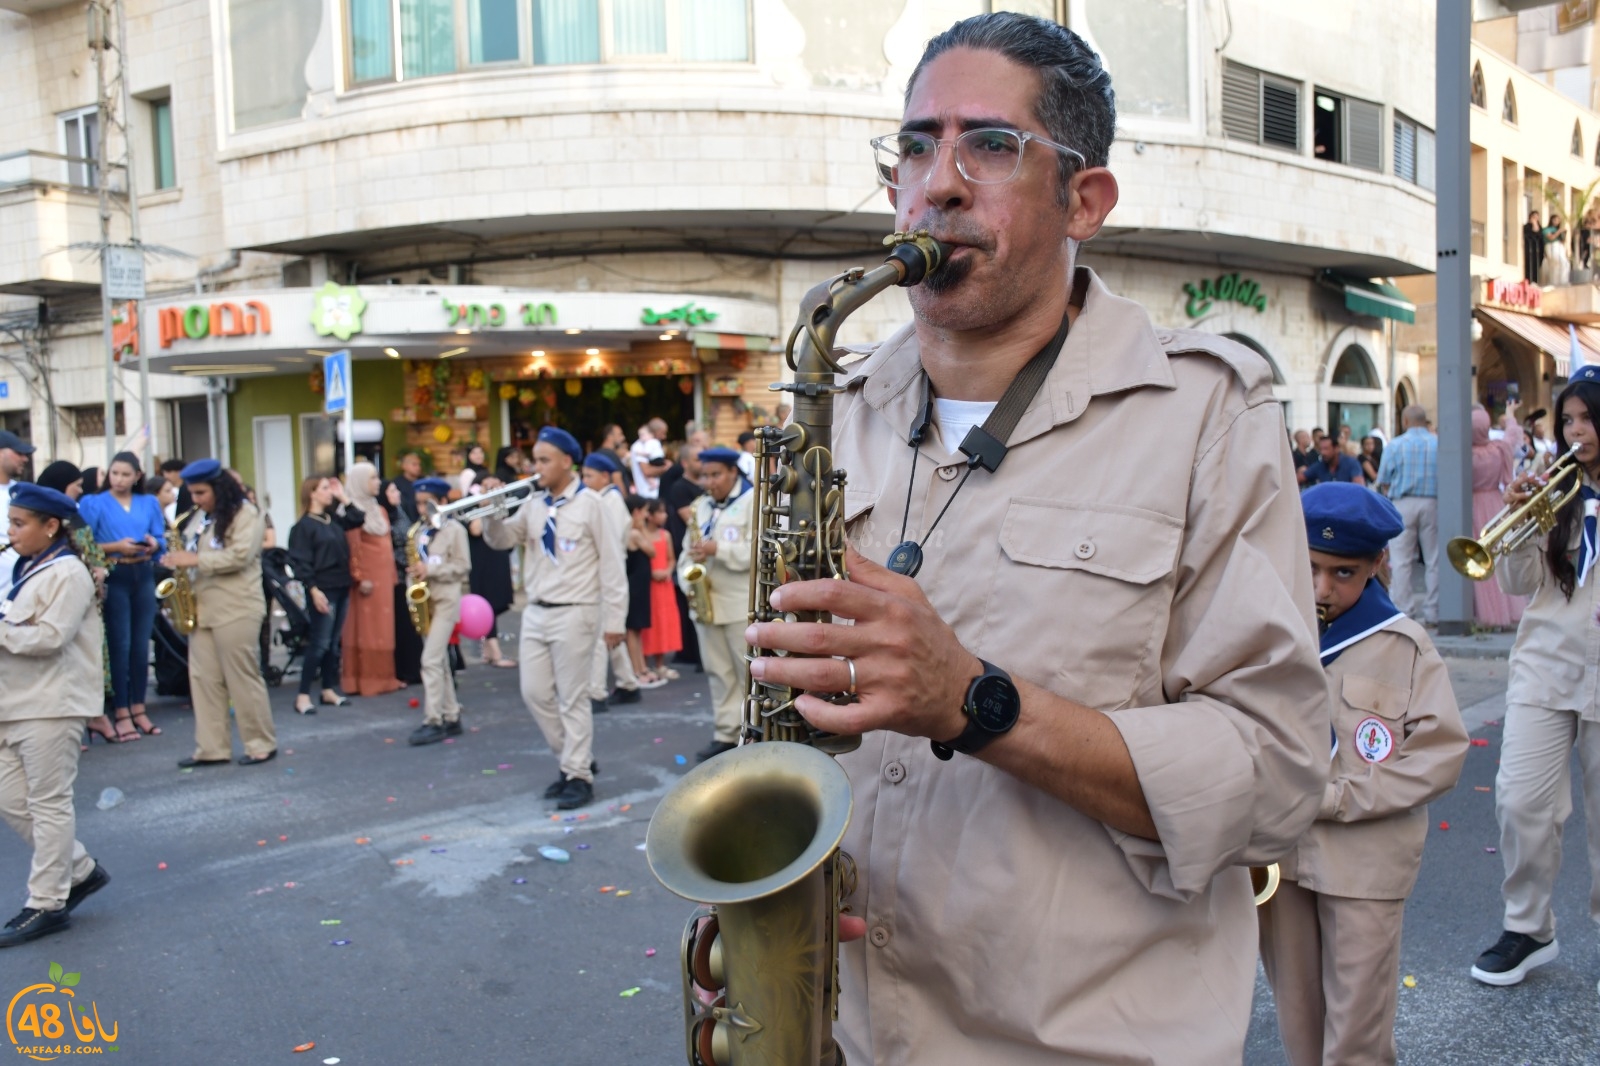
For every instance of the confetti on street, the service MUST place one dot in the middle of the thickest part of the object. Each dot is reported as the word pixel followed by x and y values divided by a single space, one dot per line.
pixel 1444 825
pixel 649 953
pixel 161 866
pixel 1409 982
pixel 363 840
pixel 339 943
pixel 305 1047
pixel 629 993
pixel 680 760
pixel 1479 742
pixel 332 921
pixel 1482 788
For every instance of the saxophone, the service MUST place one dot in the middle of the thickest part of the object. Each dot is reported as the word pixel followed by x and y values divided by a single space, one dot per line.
pixel 176 593
pixel 698 577
pixel 418 604
pixel 754 833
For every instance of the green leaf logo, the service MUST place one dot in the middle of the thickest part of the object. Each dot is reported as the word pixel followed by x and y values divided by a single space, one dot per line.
pixel 70 979
pixel 55 972
pixel 336 310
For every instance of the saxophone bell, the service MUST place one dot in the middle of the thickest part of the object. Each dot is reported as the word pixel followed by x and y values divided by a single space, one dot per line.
pixel 176 593
pixel 419 603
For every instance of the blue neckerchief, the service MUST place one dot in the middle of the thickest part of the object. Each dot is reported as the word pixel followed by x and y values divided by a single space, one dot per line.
pixel 718 508
pixel 552 505
pixel 1372 612
pixel 611 488
pixel 31 565
pixel 1586 544
pixel 422 541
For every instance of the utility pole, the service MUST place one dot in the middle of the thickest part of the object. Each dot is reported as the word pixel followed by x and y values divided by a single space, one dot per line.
pixel 108 38
pixel 1453 35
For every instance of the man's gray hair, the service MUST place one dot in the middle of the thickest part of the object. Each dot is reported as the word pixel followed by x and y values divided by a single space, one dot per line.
pixel 1414 415
pixel 1076 105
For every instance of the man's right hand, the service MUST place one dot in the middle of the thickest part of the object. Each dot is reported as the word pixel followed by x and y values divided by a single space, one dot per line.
pixel 319 601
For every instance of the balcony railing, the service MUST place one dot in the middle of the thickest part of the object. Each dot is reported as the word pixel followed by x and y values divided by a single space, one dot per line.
pixel 30 167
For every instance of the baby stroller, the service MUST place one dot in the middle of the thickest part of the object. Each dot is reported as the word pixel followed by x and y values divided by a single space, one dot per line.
pixel 287 623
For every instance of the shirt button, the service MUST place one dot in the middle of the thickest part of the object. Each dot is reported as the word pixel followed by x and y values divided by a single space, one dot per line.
pixel 948 473
pixel 880 936
pixel 1085 550
pixel 895 772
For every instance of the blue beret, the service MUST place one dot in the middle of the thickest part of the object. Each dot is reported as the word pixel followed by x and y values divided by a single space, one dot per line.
pixel 1347 519
pixel 720 454
pixel 602 461
pixel 562 439
pixel 434 486
pixel 1586 372
pixel 202 470
pixel 43 501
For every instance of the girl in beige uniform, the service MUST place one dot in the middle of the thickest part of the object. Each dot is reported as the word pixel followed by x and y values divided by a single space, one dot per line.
pixel 1330 937
pixel 50 660
pixel 222 552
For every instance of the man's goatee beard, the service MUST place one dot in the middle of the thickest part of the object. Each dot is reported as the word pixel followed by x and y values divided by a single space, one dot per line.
pixel 948 275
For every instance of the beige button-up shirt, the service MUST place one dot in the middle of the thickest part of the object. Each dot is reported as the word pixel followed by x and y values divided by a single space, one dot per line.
pixel 227 579
pixel 449 558
pixel 1555 662
pixel 588 567
pixel 1401 746
pixel 50 646
pixel 729 569
pixel 1142 551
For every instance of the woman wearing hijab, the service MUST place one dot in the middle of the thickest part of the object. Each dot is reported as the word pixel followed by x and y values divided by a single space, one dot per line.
pixel 369 627
pixel 407 641
pixel 1493 466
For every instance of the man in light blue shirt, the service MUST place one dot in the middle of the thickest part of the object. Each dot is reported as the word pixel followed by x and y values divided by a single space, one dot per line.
pixel 1409 476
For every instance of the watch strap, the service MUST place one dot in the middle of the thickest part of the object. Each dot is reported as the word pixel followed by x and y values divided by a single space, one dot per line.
pixel 975 737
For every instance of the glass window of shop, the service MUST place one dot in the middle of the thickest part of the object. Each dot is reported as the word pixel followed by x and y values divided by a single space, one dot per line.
pixel 448 36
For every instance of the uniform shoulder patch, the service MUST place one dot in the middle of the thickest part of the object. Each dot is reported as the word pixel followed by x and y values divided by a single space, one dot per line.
pixel 1249 366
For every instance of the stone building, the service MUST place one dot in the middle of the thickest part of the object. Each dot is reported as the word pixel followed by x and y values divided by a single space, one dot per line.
pixel 584 211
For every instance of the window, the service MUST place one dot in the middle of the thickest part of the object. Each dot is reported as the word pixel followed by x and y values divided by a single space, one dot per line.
pixel 446 36
pixel 1347 130
pixel 1354 369
pixel 163 167
pixel 1577 139
pixel 1145 45
pixel 90 420
pixel 80 143
pixel 1413 152
pixel 1259 107
pixel 1508 110
pixel 1480 95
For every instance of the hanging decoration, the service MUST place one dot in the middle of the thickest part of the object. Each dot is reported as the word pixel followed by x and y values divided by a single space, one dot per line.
pixel 475 380
pixel 738 360
pixel 526 397
pixel 422 396
pixel 507 391
pixel 574 387
pixel 441 390
pixel 632 387
pixel 686 386
pixel 442 434
pixel 549 398
pixel 425 374
pixel 611 389
pixel 316 381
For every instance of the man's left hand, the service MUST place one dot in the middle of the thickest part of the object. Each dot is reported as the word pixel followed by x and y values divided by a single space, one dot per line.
pixel 704 550
pixel 911 671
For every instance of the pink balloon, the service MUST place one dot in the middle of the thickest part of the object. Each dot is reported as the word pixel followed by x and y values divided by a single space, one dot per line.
pixel 477 617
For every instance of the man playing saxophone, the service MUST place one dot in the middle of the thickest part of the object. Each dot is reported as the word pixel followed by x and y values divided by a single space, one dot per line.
pixel 720 534
pixel 1118 675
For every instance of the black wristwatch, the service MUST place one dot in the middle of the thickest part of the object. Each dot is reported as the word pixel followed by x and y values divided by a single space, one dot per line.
pixel 991 707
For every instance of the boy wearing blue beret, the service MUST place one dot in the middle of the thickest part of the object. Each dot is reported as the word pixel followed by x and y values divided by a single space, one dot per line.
pixel 1330 936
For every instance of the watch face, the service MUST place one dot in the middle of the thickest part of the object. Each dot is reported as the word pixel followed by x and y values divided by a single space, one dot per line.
pixel 994 703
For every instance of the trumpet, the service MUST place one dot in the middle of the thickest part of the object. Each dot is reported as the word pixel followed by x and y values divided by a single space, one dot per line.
pixel 1515 525
pixel 502 502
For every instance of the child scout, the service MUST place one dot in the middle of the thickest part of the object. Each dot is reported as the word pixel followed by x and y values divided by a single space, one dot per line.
pixel 1330 937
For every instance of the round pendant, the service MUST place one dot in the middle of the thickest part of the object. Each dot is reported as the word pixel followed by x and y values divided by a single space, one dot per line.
pixel 906 558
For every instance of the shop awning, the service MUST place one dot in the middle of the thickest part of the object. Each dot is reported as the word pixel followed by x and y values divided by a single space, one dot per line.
pixel 1549 335
pixel 1375 298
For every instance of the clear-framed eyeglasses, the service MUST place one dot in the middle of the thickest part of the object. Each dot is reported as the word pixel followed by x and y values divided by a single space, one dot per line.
pixel 984 157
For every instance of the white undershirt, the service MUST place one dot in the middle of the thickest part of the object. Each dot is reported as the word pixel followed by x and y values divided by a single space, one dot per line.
pixel 957 417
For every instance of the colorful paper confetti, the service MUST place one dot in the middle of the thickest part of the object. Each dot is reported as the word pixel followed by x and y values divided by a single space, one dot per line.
pixel 629 993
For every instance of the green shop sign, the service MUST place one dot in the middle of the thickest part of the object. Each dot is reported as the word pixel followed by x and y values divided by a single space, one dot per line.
pixel 336 311
pixel 1225 288
pixel 495 315
pixel 688 314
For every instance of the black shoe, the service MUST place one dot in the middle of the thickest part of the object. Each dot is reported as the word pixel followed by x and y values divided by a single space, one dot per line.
pixel 97 879
pixel 257 760
pixel 712 750
pixel 426 734
pixel 1512 956
pixel 185 764
pixel 594 767
pixel 577 793
pixel 598 706
pixel 31 925
pixel 625 695
pixel 453 729
pixel 558 786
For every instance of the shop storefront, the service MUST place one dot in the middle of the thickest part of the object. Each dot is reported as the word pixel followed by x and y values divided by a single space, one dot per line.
pixel 1521 349
pixel 437 368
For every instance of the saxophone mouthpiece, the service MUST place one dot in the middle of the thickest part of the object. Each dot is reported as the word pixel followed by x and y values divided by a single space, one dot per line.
pixel 919 253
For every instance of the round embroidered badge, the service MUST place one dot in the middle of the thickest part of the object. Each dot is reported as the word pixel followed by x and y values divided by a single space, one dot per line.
pixel 1373 740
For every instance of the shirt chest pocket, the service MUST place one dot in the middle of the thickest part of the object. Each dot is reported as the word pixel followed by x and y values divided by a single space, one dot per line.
pixel 1082 592
pixel 1369 718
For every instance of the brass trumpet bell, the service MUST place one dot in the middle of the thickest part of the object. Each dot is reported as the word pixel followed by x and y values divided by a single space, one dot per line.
pixel 1471 559
pixel 1515 526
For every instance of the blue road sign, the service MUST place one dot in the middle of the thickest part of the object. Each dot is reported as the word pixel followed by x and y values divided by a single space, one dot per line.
pixel 5 390
pixel 336 382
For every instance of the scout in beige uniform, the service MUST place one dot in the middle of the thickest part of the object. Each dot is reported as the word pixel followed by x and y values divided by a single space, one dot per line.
pixel 572 574
pixel 222 552
pixel 1072 891
pixel 721 518
pixel 445 562
pixel 1330 936
pixel 599 476
pixel 50 660
pixel 1552 702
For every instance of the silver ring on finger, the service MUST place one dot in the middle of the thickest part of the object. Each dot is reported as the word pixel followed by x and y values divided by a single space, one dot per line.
pixel 851 691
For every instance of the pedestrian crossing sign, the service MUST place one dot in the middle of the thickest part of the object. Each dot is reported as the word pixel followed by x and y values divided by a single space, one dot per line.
pixel 336 382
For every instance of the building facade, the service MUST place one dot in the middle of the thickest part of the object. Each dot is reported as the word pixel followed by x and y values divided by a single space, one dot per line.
pixel 587 211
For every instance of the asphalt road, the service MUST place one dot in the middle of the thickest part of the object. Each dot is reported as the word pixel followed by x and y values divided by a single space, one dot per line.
pixel 222 957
